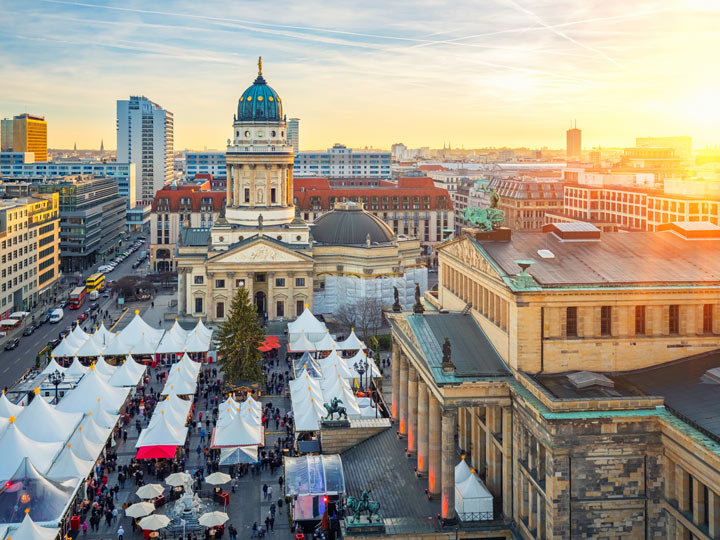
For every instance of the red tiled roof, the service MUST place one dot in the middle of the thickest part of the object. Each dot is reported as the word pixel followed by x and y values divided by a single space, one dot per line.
pixel 196 194
pixel 306 189
pixel 431 168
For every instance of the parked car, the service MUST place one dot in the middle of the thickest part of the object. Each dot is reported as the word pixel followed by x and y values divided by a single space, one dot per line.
pixel 53 343
pixel 82 317
pixel 94 306
pixel 10 345
pixel 106 295
pixel 29 329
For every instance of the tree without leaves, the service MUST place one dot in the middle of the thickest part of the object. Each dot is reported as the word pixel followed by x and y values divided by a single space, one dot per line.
pixel 365 316
pixel 240 336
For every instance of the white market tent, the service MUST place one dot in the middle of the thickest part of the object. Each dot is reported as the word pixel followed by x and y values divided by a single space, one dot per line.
pixel 334 365
pixel 197 342
pixel 203 329
pixel 118 346
pixel 8 408
pixel 101 417
pixel 238 454
pixel 229 402
pixel 67 347
pixel 307 362
pixel 178 404
pixel 68 465
pixel 137 327
pixel 83 447
pixel 93 432
pixel 307 415
pixel 173 341
pixel 462 472
pixel 237 432
pixel 15 446
pixel 76 369
pixel 42 422
pixel 300 343
pixel 190 365
pixel 143 344
pixel 473 502
pixel 91 347
pixel 341 390
pixel 164 412
pixel 52 367
pixel 103 368
pixel 163 433
pixel 327 343
pixel 352 343
pixel 93 388
pixel 309 324
pixel 129 373
pixel 29 530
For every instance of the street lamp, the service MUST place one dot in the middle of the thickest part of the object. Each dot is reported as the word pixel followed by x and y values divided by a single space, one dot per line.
pixel 55 379
pixel 361 367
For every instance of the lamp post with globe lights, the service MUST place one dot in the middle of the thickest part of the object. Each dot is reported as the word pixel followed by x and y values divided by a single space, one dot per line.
pixel 56 378
pixel 361 367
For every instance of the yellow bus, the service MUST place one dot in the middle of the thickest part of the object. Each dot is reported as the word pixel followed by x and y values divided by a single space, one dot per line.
pixel 95 282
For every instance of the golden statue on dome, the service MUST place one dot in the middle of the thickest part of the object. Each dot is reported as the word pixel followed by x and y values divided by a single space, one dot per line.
pixel 259 66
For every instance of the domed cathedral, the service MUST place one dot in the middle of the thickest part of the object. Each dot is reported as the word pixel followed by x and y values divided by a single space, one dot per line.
pixel 258 243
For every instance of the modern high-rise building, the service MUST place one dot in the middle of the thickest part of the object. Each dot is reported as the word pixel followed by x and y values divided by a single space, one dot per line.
pixel 343 162
pixel 6 135
pixel 574 143
pixel 293 132
pixel 145 137
pixel 30 135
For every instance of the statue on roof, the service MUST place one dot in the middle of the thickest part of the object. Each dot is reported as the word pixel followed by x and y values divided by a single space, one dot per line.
pixel 447 363
pixel 418 307
pixel 396 305
pixel 260 66
pixel 260 222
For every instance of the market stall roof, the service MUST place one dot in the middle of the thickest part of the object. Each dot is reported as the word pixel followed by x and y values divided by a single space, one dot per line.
pixel 76 369
pixel 163 433
pixel 191 364
pixel 68 465
pixel 15 446
pixel 92 347
pixel 29 530
pixel 177 403
pixel 45 499
pixel 178 385
pixel 164 411
pixel 462 472
pixel 137 326
pixel 67 347
pixel 306 415
pixel 118 346
pixel 197 342
pixel 103 368
pixel 237 432
pixel 44 423
pixel 352 343
pixel 142 345
pixel 332 366
pixel 238 454
pixel 202 328
pixel 102 335
pixel 91 389
pixel 327 343
pixel 173 341
pixel 8 408
pixel 307 322
pixel 129 373
pixel 306 362
pixel 83 447
pixel 300 343
pixel 101 417
pixel 314 475
pixel 52 367
pixel 166 451
pixel 93 432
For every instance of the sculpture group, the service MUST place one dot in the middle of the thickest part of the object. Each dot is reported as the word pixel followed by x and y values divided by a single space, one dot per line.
pixel 363 504
pixel 335 407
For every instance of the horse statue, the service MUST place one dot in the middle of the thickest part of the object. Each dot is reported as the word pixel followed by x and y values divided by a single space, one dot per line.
pixel 335 407
pixel 486 218
pixel 363 504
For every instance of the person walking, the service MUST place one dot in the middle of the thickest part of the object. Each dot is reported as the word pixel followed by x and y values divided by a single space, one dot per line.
pixel 269 493
pixel 265 491
pixel 121 533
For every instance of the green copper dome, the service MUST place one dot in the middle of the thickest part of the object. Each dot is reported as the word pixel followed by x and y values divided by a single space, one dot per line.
pixel 259 103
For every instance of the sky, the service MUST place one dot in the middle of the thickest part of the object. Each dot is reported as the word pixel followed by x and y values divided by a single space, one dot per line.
pixel 426 73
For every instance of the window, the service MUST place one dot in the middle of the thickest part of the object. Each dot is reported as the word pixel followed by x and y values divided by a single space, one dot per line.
pixel 571 322
pixel 280 308
pixel 639 320
pixel 247 194
pixel 239 283
pixel 219 283
pixel 708 319
pixel 605 320
pixel 299 307
pixel 674 320
pixel 220 310
pixel 272 195
pixel 198 305
pixel 260 278
pixel 198 280
pixel 300 282
pixel 280 282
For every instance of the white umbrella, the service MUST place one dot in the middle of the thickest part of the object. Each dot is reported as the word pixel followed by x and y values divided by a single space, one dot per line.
pixel 176 479
pixel 217 478
pixel 149 491
pixel 154 522
pixel 140 509
pixel 213 519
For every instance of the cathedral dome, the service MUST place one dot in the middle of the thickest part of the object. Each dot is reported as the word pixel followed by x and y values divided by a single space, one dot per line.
pixel 349 224
pixel 259 103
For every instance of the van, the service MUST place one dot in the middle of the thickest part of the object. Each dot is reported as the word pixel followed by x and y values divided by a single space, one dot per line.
pixel 56 315
pixel 94 295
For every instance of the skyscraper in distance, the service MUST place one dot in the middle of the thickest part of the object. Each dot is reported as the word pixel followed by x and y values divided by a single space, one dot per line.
pixel 30 135
pixel 145 137
pixel 6 135
pixel 293 132
pixel 574 143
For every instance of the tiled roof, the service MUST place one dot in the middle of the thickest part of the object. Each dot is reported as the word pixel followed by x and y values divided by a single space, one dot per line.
pixel 195 237
pixel 196 194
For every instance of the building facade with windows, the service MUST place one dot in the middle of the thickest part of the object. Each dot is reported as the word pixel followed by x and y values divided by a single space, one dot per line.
pixel 294 134
pixel 526 200
pixel 187 206
pixel 29 251
pixel 30 135
pixel 203 163
pixel 341 161
pixel 259 243
pixel 576 372
pixel 145 135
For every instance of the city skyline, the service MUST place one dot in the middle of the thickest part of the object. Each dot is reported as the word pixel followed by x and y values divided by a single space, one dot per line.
pixel 504 73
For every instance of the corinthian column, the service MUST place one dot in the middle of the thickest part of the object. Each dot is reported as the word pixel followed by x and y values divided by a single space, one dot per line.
pixel 434 444
pixel 422 427
pixel 403 394
pixel 449 423
pixel 412 408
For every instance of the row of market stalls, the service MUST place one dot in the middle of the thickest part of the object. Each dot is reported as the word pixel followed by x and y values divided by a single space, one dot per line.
pixel 137 338
pixel 309 334
pixel 167 428
pixel 239 431
pixel 50 449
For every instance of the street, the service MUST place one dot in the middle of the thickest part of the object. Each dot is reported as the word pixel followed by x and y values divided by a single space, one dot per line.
pixel 15 362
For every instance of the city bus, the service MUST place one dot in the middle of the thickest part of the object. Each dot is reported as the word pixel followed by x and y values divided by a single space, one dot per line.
pixel 95 282
pixel 77 297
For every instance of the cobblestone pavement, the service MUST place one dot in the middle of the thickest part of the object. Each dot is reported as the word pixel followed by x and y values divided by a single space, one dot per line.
pixel 246 505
